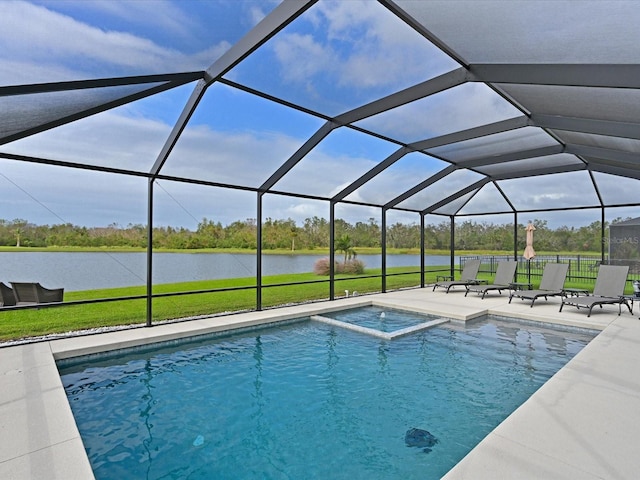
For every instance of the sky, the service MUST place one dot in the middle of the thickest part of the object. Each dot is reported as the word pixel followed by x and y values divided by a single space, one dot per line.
pixel 336 57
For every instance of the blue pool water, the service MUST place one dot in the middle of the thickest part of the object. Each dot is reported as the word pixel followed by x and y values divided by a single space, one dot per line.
pixel 380 318
pixel 307 400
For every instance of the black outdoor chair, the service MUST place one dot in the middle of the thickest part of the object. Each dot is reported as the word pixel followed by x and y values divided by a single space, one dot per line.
pixel 29 293
pixel 609 290
pixel 7 298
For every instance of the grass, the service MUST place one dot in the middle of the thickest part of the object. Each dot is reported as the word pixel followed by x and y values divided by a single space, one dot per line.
pixel 22 323
pixel 15 324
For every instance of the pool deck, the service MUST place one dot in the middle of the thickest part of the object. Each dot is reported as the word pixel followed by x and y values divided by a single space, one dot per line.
pixel 583 423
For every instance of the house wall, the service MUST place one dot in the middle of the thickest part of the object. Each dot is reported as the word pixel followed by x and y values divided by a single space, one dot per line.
pixel 624 246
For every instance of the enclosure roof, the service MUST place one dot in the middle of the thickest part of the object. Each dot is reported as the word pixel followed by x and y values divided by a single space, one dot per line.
pixel 628 223
pixel 474 107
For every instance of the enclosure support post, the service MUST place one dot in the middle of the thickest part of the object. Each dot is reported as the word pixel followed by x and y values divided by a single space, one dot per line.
pixel 452 242
pixel 150 253
pixel 515 241
pixel 603 238
pixel 515 236
pixel 259 252
pixel 421 251
pixel 383 232
pixel 332 254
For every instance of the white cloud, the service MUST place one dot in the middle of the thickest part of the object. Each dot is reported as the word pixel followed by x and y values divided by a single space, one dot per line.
pixel 119 140
pixel 324 174
pixel 69 49
pixel 256 14
pixel 385 187
pixel 381 51
pixel 358 44
pixel 243 157
pixel 50 34
pixel 164 15
pixel 185 205
pixel 387 51
pixel 459 108
pixel 111 139
pixel 53 195
pixel 551 191
pixel 280 207
pixel 25 71
pixel 303 56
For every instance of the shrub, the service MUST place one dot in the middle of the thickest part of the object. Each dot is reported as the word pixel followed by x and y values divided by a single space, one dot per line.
pixel 353 266
pixel 321 267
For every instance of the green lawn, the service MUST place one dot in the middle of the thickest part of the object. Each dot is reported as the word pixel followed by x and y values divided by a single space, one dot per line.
pixel 34 322
pixel 23 323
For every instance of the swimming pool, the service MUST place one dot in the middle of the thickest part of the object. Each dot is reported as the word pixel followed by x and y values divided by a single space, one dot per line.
pixel 308 400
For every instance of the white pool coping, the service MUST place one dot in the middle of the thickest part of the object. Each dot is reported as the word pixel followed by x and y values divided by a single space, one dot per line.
pixel 583 423
pixel 403 332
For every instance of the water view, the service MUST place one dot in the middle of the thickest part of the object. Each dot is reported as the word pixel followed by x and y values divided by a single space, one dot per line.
pixel 91 270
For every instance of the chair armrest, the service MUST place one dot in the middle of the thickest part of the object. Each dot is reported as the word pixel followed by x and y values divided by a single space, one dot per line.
pixel 49 295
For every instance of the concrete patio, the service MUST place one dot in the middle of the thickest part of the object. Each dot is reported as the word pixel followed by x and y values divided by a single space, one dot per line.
pixel 582 423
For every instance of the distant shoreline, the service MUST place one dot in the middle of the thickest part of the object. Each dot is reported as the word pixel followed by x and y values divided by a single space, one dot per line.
pixel 317 251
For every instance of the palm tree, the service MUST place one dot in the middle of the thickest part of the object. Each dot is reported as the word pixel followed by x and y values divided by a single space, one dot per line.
pixel 18 231
pixel 344 244
pixel 294 234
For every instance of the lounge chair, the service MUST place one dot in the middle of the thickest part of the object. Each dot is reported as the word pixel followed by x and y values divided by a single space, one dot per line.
pixel 467 277
pixel 29 293
pixel 551 284
pixel 608 290
pixel 504 276
pixel 7 298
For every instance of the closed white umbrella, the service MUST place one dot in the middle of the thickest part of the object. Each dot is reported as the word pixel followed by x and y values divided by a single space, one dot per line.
pixel 529 252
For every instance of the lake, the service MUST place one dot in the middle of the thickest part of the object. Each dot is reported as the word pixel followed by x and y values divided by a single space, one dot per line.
pixel 93 270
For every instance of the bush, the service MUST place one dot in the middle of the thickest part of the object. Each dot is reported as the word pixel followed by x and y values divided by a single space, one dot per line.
pixel 351 267
pixel 322 267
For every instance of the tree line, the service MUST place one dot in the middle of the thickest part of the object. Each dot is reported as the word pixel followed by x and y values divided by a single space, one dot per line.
pixel 312 234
